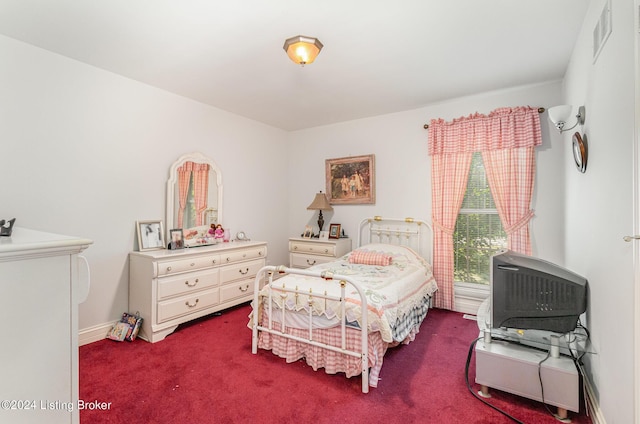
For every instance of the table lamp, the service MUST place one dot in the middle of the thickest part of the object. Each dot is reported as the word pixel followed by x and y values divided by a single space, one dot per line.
pixel 320 203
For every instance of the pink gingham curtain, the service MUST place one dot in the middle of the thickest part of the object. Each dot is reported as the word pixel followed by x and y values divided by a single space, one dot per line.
pixel 510 173
pixel 507 137
pixel 184 175
pixel 201 190
pixel 449 174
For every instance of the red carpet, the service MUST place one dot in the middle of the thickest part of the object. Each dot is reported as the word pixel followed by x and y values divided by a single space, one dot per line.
pixel 205 373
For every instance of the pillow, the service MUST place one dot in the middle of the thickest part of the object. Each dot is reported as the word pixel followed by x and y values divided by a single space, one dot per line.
pixel 368 257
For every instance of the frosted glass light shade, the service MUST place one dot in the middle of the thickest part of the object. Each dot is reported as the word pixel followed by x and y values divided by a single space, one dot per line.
pixel 560 113
pixel 562 116
pixel 302 50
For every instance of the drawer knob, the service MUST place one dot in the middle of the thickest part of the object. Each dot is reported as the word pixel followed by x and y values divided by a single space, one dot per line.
pixel 213 261
pixel 192 264
pixel 245 272
pixel 311 263
pixel 228 259
pixel 295 247
pixel 192 305
pixel 168 268
pixel 244 289
pixel 244 255
pixel 192 285
pixel 260 253
pixel 326 250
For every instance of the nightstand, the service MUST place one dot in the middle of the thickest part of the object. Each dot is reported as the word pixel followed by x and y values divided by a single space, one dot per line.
pixel 305 252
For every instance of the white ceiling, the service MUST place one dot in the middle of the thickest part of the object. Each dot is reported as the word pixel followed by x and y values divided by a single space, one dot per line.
pixel 379 56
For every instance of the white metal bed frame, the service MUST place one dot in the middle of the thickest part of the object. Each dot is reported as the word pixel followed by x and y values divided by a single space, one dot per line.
pixel 415 234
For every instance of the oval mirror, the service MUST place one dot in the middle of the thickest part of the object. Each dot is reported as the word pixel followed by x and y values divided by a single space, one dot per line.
pixel 194 192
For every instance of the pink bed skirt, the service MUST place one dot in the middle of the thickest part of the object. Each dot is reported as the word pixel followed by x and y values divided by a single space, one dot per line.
pixel 332 362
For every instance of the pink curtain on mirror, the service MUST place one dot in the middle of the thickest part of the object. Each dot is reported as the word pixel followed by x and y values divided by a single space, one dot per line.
pixel 201 190
pixel 184 176
pixel 507 136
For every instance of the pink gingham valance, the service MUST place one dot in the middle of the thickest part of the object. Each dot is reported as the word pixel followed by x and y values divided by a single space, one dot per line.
pixel 503 128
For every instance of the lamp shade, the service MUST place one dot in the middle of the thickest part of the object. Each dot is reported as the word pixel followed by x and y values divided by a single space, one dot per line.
pixel 302 50
pixel 560 113
pixel 320 202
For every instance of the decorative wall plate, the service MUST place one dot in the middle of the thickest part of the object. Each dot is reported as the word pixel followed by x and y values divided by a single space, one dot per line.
pixel 579 152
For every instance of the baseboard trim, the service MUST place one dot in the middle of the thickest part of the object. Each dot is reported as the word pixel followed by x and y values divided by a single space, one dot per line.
pixel 93 334
pixel 591 402
pixel 469 296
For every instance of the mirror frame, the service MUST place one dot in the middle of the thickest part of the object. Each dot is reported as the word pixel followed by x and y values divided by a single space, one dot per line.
pixel 195 157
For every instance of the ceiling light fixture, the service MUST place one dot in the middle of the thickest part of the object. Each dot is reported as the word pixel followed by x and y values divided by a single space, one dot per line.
pixel 302 50
pixel 559 116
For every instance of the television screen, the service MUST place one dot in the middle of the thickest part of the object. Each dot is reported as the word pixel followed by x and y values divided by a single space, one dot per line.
pixel 531 293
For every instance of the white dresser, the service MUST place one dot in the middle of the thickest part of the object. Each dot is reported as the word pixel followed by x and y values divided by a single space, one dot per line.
pixel 40 288
pixel 306 252
pixel 170 287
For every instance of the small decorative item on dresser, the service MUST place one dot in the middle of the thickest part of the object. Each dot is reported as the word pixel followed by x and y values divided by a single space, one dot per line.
pixel 308 232
pixel 6 227
pixel 150 235
pixel 334 231
pixel 177 239
pixel 242 236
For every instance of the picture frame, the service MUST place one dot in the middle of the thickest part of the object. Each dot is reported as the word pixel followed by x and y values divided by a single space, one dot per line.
pixel 150 235
pixel 308 232
pixel 177 239
pixel 334 231
pixel 351 180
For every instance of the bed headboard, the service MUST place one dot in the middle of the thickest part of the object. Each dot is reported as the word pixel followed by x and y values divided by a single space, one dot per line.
pixel 413 233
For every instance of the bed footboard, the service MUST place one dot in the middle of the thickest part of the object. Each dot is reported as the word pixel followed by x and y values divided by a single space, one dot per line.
pixel 273 291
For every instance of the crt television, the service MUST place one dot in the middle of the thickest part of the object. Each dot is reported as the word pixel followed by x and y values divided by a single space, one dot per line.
pixel 531 293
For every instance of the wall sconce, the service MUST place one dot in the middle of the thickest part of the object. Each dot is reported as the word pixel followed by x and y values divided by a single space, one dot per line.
pixel 302 50
pixel 320 203
pixel 559 116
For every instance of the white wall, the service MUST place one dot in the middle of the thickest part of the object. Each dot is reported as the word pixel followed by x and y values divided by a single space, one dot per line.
pixel 403 168
pixel 85 152
pixel 599 206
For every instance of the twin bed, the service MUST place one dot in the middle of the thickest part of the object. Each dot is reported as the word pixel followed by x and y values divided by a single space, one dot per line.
pixel 317 313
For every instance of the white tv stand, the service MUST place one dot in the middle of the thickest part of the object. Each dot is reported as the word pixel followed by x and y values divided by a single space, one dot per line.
pixel 514 368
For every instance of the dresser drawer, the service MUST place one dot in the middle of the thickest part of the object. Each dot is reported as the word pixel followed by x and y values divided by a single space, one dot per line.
pixel 298 260
pixel 236 289
pixel 240 270
pixel 314 248
pixel 184 305
pixel 188 264
pixel 244 254
pixel 187 283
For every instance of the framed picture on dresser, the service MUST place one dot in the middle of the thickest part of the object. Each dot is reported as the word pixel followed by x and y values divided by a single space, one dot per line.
pixel 334 231
pixel 308 232
pixel 177 239
pixel 150 235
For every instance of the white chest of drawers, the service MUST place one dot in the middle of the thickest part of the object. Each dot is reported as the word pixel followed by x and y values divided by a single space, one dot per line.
pixel 304 253
pixel 170 287
pixel 41 285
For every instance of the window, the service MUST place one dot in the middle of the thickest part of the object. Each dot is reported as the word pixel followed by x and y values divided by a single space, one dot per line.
pixel 478 233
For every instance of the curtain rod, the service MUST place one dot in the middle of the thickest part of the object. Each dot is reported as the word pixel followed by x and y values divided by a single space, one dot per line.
pixel 540 110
